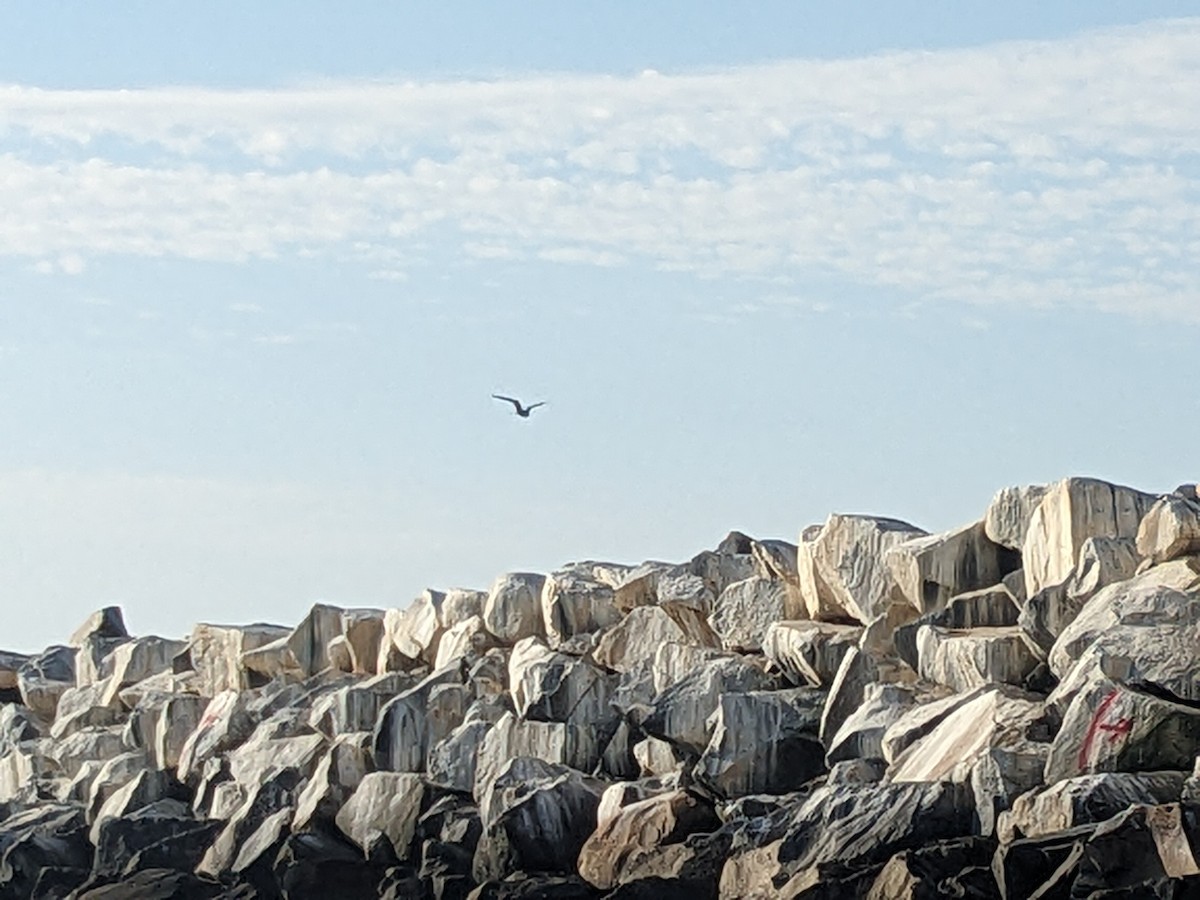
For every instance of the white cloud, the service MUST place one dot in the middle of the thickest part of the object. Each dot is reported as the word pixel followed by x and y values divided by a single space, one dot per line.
pixel 1066 171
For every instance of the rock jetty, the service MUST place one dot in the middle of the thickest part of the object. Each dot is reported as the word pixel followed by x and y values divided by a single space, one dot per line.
pixel 1010 709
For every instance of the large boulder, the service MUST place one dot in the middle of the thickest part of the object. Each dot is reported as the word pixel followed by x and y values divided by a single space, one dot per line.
pixel 809 652
pixel 842 570
pixel 467 640
pixel 964 660
pixel 44 678
pixel 646 628
pixel 139 658
pixel 337 775
pixel 411 635
pixel 514 607
pixel 406 727
pixel 1111 727
pixel 548 686
pixel 1072 511
pixel 309 640
pixel 991 607
pixel 860 736
pixel 1170 528
pixel 559 743
pixel 746 609
pixel 929 570
pixel 536 817
pixel 215 653
pixel 384 806
pixel 624 840
pixel 575 602
pixel 108 623
pixel 763 742
pixel 1008 515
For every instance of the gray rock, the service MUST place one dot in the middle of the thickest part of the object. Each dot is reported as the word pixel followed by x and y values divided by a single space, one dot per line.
pixel 225 723
pixel 932 569
pixel 403 732
pixel 842 569
pixel 763 742
pixel 991 607
pixel 468 640
pixel 144 788
pixel 336 777
pixel 108 622
pixel 1008 516
pixel 861 734
pixel 746 609
pixel 385 806
pixel 513 608
pixel 536 816
pixel 84 707
pixel 1170 529
pixel 646 628
pixel 859 668
pixel 44 678
pixel 965 660
pixel 269 798
pixel 355 707
pixel 809 652
pixel 574 602
pixel 215 653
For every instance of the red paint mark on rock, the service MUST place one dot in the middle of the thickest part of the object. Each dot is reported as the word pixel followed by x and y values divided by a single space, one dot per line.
pixel 1100 726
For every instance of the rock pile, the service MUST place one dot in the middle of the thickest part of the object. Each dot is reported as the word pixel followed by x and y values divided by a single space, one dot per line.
pixel 1010 709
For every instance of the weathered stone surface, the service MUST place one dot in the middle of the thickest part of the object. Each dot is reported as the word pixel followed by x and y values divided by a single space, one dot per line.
pixel 1111 727
pixel 385 806
pixel 646 628
pixel 269 798
pixel 1170 529
pixel 108 622
pixel 641 829
pixel 87 743
pixel 44 678
pixel 992 607
pixel 965 660
pixel 559 743
pixel 163 834
pixel 251 762
pixel 139 658
pixel 930 570
pixel 655 758
pixel 732 560
pixel 363 632
pixel 679 714
pixel 861 734
pixel 809 652
pixel 574 602
pixel 547 686
pixel 271 662
pixel 1008 516
pixel 310 639
pixel 52 836
pixel 1102 561
pixel 1140 852
pixel 763 742
pixel 337 775
pixel 1071 511
pixel 321 865
pixel 958 867
pixel 224 724
pixel 536 816
pixel 144 788
pixel 513 609
pixel 469 639
pixel 84 707
pixel 1144 630
pixel 216 651
pixel 842 569
pixel 452 760
pixel 24 769
pixel 859 668
pixel 746 609
pixel 355 707
pixel 1085 799
pixel 404 730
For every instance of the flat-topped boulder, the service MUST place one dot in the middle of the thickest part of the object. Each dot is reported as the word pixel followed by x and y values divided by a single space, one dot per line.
pixel 931 569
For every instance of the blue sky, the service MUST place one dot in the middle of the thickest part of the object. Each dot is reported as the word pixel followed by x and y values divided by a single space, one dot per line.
pixel 260 271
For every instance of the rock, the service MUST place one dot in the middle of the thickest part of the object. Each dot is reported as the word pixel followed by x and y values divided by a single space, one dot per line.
pixel 318 865
pixel 1170 529
pixel 556 743
pixel 573 603
pixel 139 658
pixel 363 631
pixel 113 774
pixel 146 787
pixel 1102 561
pixel 1143 630
pixel 1139 851
pixel 809 652
pixel 337 775
pixel 731 561
pixel 992 607
pixel 24 769
pixel 763 742
pixel 552 687
pixel 461 604
pixel 646 628
pixel 861 734
pixel 108 622
pixel 639 830
pixel 271 797
pixel 215 652
pixel 513 608
pixel 411 635
pixel 158 884
pixel 469 639
pixel 384 806
pixel 1085 800
pixel 655 757
pixel 960 867
pixel 178 719
pixel 452 760
pixel 224 724
pixel 965 660
pixel 930 570
pixel 536 816
pixel 310 639
pixel 51 836
pixel 84 707
pixel 160 835
pixel 404 731
pixel 86 744
pixel 250 763
pixel 746 609
pixel 859 668
pixel 1071 511
pixel 842 569
pixel 679 714
pixel 44 678
pixel 10 665
pixel 355 707
pixel 1008 516
pixel 271 662
pixel 1112 727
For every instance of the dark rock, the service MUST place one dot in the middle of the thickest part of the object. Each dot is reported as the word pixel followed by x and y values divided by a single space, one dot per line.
pixel 1046 864
pixel 52 836
pixel 159 884
pixel 163 835
pixel 536 887
pixel 319 865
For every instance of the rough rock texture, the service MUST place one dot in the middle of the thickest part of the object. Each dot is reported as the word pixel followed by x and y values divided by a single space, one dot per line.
pixel 1006 710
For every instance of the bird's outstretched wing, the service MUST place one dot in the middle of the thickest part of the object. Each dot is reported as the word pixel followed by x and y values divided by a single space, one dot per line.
pixel 535 405
pixel 516 403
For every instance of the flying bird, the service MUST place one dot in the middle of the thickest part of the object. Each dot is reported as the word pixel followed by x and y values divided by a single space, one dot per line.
pixel 522 411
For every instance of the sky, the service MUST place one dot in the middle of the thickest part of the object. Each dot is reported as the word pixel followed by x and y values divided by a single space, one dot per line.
pixel 263 265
